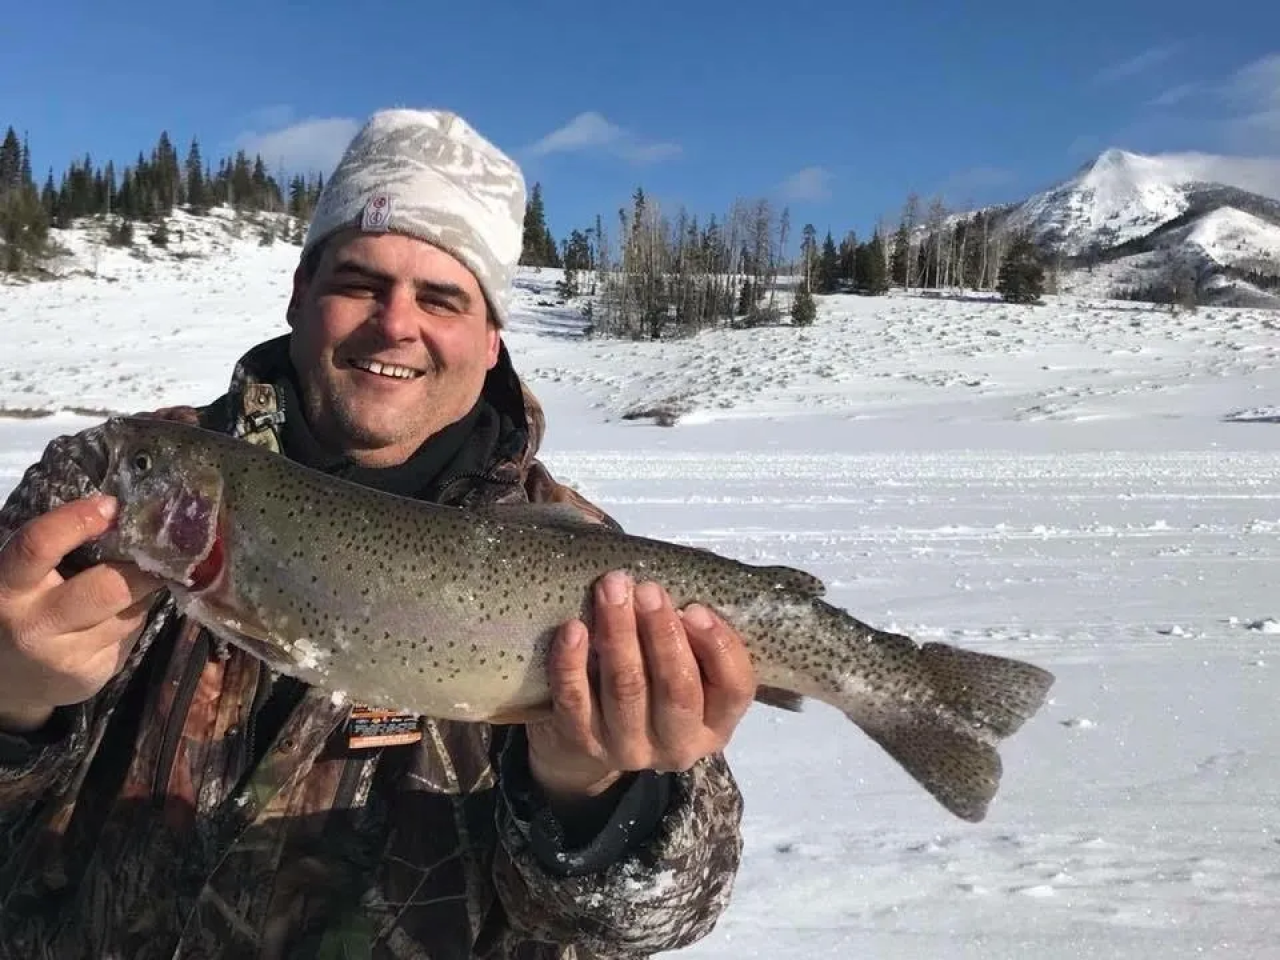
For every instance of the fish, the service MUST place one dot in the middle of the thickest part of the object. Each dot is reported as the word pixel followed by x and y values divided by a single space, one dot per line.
pixel 449 612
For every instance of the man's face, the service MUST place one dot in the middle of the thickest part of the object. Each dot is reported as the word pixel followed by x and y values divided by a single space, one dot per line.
pixel 391 343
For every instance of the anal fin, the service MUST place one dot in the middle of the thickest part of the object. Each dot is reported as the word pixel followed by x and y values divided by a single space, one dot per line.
pixel 780 698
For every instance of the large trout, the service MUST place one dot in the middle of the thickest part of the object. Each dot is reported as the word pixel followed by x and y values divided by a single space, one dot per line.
pixel 449 613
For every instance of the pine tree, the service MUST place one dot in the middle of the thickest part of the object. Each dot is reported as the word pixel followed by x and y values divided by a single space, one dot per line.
pixel 109 200
pixel 196 193
pixel 848 258
pixel 240 180
pixel 49 198
pixel 1021 271
pixel 804 309
pixel 899 263
pixel 24 228
pixel 828 267
pixel 552 251
pixel 10 162
pixel 873 275
pixel 261 190
pixel 577 260
pixel 539 248
pixel 167 181
pixel 24 173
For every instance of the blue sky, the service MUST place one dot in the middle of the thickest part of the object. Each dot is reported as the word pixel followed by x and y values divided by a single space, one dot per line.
pixel 833 109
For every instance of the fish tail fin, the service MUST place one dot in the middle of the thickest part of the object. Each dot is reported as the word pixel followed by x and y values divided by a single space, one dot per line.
pixel 993 693
pixel 950 746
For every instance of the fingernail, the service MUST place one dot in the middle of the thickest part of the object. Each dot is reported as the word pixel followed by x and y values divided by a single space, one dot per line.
pixel 107 506
pixel 617 586
pixel 648 597
pixel 573 634
pixel 698 617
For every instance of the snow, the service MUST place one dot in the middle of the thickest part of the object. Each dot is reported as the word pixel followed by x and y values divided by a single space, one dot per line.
pixel 1233 237
pixel 1093 486
pixel 1124 195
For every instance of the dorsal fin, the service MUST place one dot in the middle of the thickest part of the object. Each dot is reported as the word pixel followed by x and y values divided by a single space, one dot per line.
pixel 793 580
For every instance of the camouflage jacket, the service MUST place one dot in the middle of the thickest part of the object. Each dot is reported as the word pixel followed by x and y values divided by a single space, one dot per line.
pixel 157 820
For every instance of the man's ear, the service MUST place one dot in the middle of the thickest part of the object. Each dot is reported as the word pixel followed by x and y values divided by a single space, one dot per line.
pixel 494 346
pixel 300 284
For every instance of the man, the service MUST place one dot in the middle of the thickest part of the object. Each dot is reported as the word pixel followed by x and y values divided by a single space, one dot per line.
pixel 163 795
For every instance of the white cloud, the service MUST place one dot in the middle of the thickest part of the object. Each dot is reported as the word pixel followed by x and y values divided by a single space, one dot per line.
pixel 1255 174
pixel 1254 94
pixel 810 184
pixel 591 131
pixel 1258 83
pixel 304 147
pixel 1139 63
pixel 1173 96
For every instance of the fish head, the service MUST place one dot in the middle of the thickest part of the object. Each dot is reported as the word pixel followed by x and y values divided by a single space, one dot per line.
pixel 170 491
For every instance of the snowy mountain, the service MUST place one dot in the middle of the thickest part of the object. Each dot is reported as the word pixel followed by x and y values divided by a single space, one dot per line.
pixel 1132 224
pixel 1118 197
pixel 1123 197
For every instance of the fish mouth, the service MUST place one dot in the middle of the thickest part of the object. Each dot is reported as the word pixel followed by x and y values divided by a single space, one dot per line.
pixel 88 456
pixel 91 452
pixel 392 371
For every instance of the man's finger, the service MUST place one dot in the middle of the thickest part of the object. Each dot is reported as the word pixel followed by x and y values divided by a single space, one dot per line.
pixel 36 549
pixel 729 677
pixel 570 686
pixel 93 596
pixel 675 684
pixel 113 640
pixel 624 690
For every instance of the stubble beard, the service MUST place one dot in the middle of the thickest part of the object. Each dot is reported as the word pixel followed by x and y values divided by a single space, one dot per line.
pixel 353 425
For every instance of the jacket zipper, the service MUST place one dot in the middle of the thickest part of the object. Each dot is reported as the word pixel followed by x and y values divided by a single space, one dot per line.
pixel 261 690
pixel 457 478
pixel 177 718
pixel 352 768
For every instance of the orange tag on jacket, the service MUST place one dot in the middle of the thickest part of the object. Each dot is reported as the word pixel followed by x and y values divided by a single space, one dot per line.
pixel 370 727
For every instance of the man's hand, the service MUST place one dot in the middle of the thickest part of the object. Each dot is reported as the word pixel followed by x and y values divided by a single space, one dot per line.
pixel 62 640
pixel 669 690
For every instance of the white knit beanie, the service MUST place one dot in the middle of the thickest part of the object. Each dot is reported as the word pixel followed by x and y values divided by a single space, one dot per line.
pixel 429 174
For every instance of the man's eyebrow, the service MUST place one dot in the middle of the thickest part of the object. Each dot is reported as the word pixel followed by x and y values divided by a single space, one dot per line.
pixel 449 291
pixel 439 288
pixel 353 266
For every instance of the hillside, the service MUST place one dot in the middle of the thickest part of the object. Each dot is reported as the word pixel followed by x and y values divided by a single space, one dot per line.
pixel 211 293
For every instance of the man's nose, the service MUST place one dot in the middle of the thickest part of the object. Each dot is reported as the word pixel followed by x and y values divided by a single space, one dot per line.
pixel 398 316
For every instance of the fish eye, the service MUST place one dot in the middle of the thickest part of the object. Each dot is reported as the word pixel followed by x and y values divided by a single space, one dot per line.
pixel 142 461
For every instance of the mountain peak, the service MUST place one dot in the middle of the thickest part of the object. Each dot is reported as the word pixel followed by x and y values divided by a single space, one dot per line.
pixel 1115 156
pixel 1120 196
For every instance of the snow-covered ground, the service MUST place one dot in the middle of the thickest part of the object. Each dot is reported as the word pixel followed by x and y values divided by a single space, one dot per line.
pixel 1091 486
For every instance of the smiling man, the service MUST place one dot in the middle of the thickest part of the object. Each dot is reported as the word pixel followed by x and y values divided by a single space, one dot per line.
pixel 162 795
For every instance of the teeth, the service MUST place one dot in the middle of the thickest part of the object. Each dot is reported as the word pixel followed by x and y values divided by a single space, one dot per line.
pixel 386 369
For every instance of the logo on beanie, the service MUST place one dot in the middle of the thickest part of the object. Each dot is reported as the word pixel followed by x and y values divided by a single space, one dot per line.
pixel 377 214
